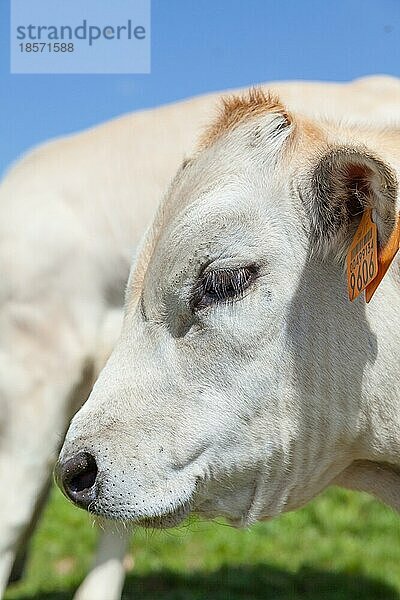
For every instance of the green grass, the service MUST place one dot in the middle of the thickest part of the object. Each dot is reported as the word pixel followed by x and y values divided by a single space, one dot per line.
pixel 343 546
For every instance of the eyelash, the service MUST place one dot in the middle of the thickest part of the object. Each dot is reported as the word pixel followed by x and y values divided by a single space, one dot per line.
pixel 222 285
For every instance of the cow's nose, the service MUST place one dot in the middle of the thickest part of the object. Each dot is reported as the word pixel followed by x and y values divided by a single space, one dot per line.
pixel 77 478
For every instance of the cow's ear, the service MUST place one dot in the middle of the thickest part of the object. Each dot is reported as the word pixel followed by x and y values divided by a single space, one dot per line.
pixel 345 182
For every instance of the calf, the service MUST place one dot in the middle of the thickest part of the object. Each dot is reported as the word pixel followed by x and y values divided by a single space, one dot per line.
pixel 72 214
pixel 244 381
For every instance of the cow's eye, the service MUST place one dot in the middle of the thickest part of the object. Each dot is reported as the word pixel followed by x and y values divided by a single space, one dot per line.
pixel 222 285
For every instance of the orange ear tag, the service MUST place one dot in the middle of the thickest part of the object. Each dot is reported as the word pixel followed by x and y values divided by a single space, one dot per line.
pixel 362 258
pixel 385 258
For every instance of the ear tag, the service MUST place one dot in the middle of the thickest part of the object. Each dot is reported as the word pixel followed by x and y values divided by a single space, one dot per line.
pixel 362 257
pixel 385 258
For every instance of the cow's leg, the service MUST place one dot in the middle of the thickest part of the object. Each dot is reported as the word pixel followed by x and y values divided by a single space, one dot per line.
pixel 106 578
pixel 24 477
pixel 45 365
pixel 105 341
pixel 32 472
pixel 18 568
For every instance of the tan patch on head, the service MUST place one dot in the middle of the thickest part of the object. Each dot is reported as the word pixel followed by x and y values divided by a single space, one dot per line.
pixel 236 109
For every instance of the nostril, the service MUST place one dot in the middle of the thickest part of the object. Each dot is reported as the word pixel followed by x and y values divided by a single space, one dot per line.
pixel 85 478
pixel 77 478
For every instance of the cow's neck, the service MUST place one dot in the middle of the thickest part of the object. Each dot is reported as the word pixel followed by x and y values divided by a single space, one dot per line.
pixel 377 471
pixel 361 344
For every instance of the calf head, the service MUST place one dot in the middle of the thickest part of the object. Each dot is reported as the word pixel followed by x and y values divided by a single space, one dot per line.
pixel 238 387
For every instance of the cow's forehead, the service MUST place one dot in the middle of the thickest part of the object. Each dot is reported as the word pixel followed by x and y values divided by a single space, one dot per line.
pixel 217 179
pixel 253 146
pixel 221 221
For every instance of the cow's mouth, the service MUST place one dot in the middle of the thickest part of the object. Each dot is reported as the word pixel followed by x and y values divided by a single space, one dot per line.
pixel 167 520
pixel 158 521
pixel 157 517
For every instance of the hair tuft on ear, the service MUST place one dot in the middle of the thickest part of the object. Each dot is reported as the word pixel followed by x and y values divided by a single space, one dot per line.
pixel 344 183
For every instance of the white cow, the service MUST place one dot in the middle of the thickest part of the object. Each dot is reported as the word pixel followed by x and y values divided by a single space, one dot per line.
pixel 72 213
pixel 244 382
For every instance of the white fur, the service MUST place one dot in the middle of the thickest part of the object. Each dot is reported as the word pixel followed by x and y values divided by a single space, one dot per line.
pixel 71 214
pixel 248 408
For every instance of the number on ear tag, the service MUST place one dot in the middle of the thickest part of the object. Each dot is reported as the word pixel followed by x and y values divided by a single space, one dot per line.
pixel 362 258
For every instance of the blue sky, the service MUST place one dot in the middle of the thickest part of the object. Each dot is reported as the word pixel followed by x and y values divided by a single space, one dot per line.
pixel 199 46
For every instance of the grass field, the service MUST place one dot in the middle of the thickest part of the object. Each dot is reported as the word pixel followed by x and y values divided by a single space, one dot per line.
pixel 343 546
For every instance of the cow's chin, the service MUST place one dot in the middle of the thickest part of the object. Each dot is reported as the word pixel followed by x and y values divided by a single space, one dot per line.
pixel 168 520
pixel 149 509
pixel 161 520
